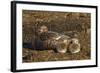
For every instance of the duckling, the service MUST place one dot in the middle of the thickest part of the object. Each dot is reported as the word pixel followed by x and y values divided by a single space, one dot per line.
pixel 74 46
pixel 63 43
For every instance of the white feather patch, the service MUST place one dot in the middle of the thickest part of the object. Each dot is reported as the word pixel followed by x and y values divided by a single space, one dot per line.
pixel 58 37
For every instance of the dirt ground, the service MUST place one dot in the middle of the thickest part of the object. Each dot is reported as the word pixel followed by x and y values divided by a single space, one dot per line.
pixel 61 22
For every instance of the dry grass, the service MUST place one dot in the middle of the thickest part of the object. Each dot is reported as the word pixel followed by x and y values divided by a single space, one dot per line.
pixel 60 22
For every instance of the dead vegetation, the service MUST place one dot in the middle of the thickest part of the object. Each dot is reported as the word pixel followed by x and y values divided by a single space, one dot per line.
pixel 61 22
